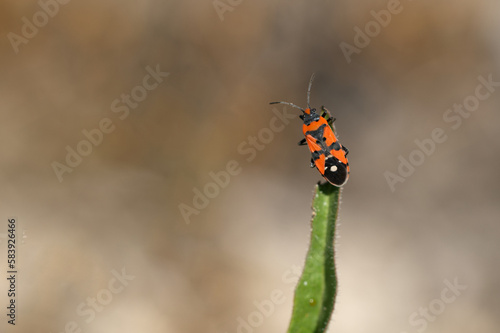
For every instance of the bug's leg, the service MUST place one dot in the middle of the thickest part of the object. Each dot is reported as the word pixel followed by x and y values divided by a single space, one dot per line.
pixel 302 142
pixel 345 150
pixel 301 116
pixel 327 115
pixel 325 112
pixel 312 163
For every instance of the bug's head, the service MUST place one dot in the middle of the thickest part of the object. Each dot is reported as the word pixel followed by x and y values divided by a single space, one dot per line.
pixel 309 111
pixel 309 116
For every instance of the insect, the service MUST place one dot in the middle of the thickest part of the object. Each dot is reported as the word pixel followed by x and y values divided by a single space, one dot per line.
pixel 328 155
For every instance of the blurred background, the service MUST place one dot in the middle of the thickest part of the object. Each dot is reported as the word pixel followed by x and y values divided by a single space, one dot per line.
pixel 129 204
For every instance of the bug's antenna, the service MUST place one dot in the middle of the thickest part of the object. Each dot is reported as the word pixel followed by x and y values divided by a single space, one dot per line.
pixel 309 90
pixel 290 104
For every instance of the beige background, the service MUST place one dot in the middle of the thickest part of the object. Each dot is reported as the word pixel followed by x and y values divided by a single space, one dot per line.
pixel 120 207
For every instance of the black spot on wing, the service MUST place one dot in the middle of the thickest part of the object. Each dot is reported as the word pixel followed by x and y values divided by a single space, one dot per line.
pixel 335 171
pixel 316 155
pixel 335 146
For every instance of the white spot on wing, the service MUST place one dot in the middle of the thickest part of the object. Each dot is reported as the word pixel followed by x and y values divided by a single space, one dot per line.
pixel 333 168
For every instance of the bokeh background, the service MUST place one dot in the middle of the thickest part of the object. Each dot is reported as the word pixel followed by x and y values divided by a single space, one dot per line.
pixel 119 208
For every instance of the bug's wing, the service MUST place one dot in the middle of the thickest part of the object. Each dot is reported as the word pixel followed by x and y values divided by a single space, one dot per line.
pixel 317 152
pixel 313 144
pixel 335 171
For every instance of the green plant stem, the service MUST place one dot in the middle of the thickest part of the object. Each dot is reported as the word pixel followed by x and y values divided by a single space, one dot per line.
pixel 316 290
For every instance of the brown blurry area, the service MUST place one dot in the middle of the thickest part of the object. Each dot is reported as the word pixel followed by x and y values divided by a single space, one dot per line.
pixel 119 208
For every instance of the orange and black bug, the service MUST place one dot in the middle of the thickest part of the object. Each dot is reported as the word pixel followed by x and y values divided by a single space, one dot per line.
pixel 328 155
